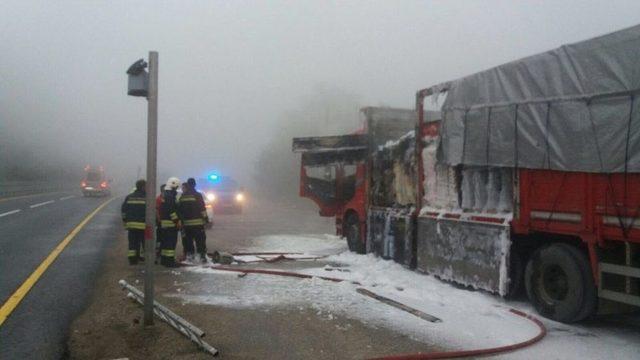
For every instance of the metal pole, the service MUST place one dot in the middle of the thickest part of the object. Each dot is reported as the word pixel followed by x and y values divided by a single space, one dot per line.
pixel 150 213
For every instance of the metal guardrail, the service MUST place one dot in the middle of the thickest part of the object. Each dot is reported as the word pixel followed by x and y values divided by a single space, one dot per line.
pixel 17 188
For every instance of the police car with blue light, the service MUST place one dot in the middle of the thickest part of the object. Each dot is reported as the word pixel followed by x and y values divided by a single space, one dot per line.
pixel 223 194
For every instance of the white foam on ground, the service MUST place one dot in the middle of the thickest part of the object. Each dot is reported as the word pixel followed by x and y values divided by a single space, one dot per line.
pixel 470 319
pixel 309 244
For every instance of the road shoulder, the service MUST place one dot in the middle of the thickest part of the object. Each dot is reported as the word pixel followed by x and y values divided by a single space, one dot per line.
pixel 111 325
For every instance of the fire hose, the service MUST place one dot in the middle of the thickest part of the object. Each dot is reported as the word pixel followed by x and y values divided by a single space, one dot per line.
pixel 542 331
pixel 266 257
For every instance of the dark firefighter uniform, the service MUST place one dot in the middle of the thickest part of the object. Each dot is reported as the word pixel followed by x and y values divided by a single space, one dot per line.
pixel 169 224
pixel 193 214
pixel 133 212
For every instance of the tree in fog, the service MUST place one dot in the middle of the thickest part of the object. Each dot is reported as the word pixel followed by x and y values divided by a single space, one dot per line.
pixel 326 111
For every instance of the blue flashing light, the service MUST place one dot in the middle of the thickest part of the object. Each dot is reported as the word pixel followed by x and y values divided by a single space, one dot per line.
pixel 213 177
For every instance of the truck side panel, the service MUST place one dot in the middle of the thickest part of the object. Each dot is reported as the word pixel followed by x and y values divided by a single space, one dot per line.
pixel 468 252
pixel 594 207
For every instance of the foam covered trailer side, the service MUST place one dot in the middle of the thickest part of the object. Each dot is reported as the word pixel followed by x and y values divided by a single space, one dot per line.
pixel 391 235
pixel 470 253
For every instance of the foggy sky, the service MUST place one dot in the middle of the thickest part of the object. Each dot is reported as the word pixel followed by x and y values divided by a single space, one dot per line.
pixel 229 70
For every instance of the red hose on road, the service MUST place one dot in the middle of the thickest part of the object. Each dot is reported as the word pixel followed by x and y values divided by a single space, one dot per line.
pixel 477 352
pixel 265 253
pixel 278 256
pixel 426 356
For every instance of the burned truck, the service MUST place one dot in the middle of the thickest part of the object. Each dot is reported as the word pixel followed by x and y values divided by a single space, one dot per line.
pixel 335 171
pixel 529 179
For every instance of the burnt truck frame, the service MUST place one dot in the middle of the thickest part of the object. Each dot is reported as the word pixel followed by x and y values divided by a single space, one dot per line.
pixel 567 233
pixel 343 191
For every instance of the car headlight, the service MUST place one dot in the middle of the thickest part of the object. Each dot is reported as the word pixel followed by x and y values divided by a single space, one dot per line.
pixel 211 197
pixel 239 197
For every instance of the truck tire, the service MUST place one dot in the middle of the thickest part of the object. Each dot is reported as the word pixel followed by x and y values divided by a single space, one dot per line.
pixel 352 233
pixel 559 283
pixel 590 306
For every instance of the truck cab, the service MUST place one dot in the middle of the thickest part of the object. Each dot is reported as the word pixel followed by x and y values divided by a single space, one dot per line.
pixel 335 170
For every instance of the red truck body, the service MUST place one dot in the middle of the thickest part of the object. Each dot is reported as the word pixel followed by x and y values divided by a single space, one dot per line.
pixel 529 176
pixel 597 213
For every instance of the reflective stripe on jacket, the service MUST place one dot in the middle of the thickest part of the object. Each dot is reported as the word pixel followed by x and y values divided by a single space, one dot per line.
pixel 167 252
pixel 134 225
pixel 167 224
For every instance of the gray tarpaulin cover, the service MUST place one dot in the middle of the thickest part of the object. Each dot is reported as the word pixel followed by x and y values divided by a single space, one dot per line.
pixel 574 108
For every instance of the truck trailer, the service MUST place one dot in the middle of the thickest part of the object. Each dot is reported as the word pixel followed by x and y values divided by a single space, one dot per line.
pixel 527 176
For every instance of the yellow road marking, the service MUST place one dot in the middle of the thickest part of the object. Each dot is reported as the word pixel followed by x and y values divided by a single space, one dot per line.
pixel 15 299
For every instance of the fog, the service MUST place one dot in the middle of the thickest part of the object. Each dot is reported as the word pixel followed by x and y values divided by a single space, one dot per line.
pixel 239 78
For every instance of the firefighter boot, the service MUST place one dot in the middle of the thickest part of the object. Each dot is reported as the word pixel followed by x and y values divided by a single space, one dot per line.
pixel 136 239
pixel 168 259
pixel 133 257
pixel 168 251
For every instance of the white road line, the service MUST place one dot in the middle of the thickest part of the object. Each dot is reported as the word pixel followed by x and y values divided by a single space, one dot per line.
pixel 42 203
pixel 67 197
pixel 10 212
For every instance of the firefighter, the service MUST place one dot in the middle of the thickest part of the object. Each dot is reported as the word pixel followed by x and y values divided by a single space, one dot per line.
pixel 133 212
pixel 193 214
pixel 169 223
pixel 159 200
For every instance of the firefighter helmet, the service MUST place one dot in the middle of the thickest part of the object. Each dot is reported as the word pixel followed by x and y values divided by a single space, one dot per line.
pixel 173 183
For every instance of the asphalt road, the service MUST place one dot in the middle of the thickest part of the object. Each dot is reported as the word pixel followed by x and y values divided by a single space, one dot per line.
pixel 30 229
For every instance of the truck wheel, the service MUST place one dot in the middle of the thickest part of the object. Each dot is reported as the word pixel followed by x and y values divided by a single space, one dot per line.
pixel 559 283
pixel 589 308
pixel 352 232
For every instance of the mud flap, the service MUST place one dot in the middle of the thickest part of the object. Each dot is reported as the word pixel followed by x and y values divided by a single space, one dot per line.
pixel 470 253
pixel 391 235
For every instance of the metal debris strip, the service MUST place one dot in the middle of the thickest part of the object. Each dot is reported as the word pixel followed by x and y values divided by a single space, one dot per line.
pixel 400 306
pixel 187 329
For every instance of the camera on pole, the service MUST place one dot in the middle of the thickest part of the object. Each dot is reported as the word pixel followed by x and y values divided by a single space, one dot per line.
pixel 138 79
